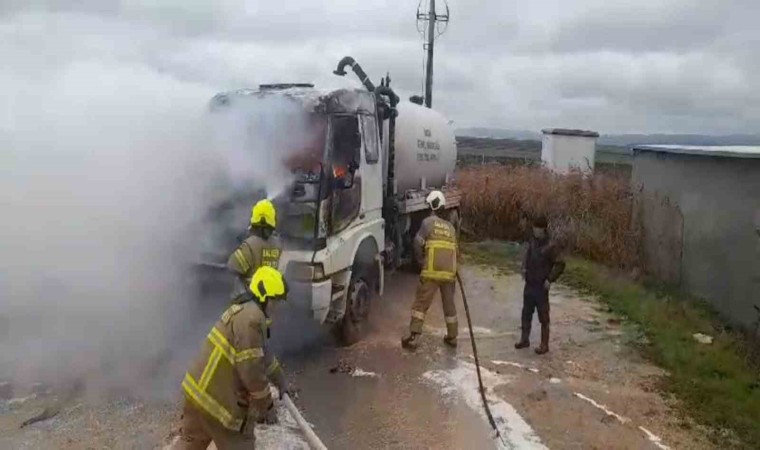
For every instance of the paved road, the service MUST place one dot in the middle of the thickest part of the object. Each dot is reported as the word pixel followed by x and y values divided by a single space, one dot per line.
pixel 379 396
pixel 591 391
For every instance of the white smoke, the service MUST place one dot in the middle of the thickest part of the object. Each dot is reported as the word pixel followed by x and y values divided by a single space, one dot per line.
pixel 108 164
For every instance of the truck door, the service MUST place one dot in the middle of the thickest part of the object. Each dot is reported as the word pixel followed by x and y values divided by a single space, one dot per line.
pixel 371 168
pixel 346 174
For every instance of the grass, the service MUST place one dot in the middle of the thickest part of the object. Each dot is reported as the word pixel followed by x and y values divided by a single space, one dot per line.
pixel 505 259
pixel 716 384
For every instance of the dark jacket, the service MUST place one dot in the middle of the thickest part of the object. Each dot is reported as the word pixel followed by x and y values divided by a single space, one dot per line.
pixel 542 261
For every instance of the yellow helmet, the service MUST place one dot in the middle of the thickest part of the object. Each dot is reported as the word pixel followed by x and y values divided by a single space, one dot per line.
pixel 268 283
pixel 263 213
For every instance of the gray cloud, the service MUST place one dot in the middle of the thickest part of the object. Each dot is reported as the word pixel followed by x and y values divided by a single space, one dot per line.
pixel 676 65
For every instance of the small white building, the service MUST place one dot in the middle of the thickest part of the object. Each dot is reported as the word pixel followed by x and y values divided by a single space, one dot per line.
pixel 564 149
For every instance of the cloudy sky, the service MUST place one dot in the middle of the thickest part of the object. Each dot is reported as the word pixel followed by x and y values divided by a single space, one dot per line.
pixel 613 66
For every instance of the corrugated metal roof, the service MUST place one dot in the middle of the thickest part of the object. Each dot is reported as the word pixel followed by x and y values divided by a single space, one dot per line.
pixel 569 132
pixel 734 151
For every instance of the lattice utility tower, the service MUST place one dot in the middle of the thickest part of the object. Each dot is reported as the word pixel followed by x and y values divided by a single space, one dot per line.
pixel 430 32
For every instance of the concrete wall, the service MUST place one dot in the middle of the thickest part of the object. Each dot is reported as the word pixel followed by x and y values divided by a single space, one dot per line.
pixel 561 153
pixel 718 199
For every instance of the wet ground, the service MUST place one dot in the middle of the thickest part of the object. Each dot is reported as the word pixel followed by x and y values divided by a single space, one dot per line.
pixel 591 391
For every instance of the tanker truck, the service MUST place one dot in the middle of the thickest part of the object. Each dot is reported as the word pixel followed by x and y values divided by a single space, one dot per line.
pixel 358 194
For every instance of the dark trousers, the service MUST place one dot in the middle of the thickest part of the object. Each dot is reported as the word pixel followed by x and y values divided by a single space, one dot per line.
pixel 535 297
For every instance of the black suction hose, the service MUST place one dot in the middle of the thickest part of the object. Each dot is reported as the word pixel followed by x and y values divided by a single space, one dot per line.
pixel 349 61
pixel 477 361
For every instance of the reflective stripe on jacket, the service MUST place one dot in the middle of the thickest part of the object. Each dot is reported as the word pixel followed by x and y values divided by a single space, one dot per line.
pixel 253 253
pixel 436 245
pixel 231 374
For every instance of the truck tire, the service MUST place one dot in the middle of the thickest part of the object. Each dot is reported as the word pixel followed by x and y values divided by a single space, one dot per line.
pixel 353 327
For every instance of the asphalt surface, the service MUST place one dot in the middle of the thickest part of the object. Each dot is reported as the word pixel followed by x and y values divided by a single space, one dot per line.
pixel 592 391
pixel 374 394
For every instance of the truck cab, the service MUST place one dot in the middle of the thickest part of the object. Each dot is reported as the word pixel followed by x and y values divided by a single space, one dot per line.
pixel 342 216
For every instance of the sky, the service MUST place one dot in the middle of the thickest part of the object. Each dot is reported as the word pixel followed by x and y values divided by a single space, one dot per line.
pixel 650 66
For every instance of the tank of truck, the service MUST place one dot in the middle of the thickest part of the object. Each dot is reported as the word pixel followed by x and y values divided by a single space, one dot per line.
pixel 425 147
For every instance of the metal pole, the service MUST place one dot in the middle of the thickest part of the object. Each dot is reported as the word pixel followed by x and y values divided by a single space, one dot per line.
pixel 311 437
pixel 429 70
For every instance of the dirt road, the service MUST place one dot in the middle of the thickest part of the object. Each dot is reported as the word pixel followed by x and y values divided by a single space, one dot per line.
pixel 591 391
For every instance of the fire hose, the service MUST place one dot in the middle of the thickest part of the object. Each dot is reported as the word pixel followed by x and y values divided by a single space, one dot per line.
pixel 482 389
pixel 311 437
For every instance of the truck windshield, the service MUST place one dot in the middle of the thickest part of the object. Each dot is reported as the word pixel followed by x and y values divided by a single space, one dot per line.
pixel 268 147
pixel 305 155
pixel 299 206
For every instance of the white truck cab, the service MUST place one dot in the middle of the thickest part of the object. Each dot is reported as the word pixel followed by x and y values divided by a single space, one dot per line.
pixel 358 192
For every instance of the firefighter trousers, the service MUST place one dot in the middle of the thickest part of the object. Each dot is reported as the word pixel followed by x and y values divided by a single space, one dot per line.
pixel 426 290
pixel 199 430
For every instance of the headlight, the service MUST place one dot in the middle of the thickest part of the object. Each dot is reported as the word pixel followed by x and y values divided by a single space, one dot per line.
pixel 318 272
pixel 305 272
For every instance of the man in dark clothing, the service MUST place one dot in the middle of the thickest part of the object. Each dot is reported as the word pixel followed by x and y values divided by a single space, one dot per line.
pixel 542 265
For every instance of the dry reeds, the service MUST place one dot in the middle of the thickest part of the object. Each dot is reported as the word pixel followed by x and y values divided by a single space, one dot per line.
pixel 589 215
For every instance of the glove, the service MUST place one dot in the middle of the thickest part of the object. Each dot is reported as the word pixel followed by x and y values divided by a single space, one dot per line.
pixel 270 417
pixel 291 391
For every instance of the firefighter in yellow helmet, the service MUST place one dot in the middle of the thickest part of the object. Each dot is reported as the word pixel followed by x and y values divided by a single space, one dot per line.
pixel 435 246
pixel 227 388
pixel 260 248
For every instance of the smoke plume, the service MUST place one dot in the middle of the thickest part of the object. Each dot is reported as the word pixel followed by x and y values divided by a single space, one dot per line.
pixel 110 162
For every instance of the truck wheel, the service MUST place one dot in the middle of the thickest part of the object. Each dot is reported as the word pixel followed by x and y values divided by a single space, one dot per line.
pixel 354 323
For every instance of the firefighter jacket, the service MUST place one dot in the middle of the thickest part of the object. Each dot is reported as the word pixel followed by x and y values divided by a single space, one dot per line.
pixel 233 371
pixel 436 247
pixel 253 253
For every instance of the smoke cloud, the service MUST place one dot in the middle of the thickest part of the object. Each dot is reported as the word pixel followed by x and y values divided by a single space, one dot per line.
pixel 109 166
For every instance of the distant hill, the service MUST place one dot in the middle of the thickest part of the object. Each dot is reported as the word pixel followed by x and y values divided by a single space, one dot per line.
pixel 680 139
pixel 624 140
pixel 481 148
pixel 498 133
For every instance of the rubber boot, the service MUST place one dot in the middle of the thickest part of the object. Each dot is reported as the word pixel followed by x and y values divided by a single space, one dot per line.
pixel 525 336
pixel 450 341
pixel 544 347
pixel 411 342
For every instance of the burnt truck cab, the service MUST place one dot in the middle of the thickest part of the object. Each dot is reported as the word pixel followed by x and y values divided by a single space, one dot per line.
pixel 330 216
pixel 352 204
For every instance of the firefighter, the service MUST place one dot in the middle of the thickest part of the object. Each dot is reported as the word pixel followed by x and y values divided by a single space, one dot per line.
pixel 542 265
pixel 227 389
pixel 260 248
pixel 435 246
